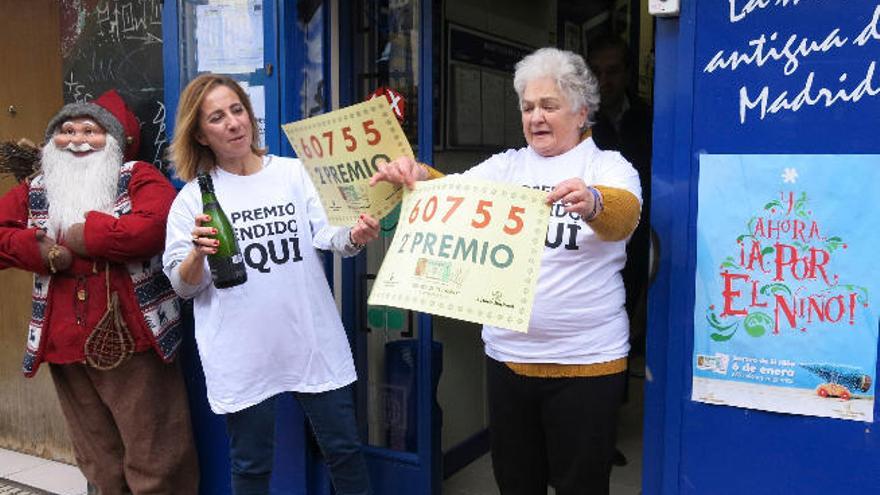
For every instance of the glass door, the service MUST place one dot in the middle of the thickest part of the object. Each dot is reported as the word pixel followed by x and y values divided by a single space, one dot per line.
pixel 240 38
pixel 383 47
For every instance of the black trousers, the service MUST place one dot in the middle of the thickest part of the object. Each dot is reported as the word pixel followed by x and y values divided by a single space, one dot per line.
pixel 556 431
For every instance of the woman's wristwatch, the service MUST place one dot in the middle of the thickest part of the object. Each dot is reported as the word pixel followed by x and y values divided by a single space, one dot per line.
pixel 352 243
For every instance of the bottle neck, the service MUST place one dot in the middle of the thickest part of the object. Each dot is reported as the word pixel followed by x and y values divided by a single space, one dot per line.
pixel 208 197
pixel 206 185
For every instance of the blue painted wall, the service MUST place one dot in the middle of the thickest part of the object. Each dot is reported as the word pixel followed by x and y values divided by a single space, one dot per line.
pixel 693 448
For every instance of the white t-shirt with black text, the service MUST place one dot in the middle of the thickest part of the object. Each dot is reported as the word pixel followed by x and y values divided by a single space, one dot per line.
pixel 578 316
pixel 279 331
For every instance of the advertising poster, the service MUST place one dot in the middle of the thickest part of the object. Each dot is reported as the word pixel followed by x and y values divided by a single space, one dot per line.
pixel 342 149
pixel 466 249
pixel 785 315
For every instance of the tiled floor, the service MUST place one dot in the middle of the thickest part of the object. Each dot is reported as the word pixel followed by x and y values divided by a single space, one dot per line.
pixel 475 479
pixel 53 477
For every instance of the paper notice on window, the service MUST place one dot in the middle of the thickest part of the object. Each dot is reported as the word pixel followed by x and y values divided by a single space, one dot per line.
pixel 229 36
pixel 257 95
pixel 342 149
pixel 466 249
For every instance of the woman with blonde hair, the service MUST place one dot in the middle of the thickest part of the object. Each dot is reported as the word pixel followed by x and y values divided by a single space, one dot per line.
pixel 280 331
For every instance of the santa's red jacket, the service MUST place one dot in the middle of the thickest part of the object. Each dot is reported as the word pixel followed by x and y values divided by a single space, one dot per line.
pixel 129 242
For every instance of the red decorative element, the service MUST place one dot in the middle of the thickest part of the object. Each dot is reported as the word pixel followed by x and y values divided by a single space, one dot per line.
pixel 395 99
pixel 113 103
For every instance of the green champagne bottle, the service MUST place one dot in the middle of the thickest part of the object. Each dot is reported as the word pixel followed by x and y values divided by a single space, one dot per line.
pixel 227 264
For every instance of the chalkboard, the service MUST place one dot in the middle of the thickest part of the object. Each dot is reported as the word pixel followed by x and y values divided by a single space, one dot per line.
pixel 117 44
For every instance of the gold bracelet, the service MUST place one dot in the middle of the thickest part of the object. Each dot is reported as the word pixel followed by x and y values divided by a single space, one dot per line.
pixel 53 253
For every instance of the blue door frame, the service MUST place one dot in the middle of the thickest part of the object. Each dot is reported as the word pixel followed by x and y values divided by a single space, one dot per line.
pixel 393 472
pixel 694 448
pixel 298 467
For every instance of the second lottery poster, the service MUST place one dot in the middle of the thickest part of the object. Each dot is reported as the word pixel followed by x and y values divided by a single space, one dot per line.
pixel 341 150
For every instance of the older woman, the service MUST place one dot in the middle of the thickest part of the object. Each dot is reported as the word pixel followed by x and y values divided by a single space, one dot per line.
pixel 554 392
pixel 280 331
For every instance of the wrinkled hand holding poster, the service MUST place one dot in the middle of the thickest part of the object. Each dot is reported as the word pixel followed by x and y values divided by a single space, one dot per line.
pixel 342 149
pixel 785 315
pixel 466 249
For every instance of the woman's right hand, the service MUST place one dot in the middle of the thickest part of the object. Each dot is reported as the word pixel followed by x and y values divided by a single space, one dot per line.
pixel 192 269
pixel 203 239
pixel 404 170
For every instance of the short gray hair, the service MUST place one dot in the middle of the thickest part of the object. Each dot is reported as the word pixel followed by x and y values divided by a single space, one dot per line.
pixel 570 72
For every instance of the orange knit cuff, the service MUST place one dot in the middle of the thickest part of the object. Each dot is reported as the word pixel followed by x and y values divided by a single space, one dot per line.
pixel 620 214
pixel 433 173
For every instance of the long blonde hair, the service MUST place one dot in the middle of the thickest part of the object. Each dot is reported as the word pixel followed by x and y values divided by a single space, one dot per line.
pixel 188 155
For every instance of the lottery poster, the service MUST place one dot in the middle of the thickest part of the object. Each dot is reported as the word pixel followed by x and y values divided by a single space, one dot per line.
pixel 342 149
pixel 787 276
pixel 466 249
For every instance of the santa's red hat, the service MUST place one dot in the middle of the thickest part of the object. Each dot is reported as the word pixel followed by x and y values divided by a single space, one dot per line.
pixel 111 112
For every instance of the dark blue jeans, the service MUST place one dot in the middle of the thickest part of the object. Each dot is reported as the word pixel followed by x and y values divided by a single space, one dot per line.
pixel 331 415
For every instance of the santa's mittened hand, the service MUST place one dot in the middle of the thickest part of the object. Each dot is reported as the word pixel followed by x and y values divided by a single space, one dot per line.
pixel 75 239
pixel 63 259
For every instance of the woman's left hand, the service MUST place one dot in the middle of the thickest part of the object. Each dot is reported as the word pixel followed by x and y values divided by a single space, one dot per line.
pixel 574 195
pixel 366 229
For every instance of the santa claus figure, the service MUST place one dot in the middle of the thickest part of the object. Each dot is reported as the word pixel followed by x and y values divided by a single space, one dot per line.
pixel 90 225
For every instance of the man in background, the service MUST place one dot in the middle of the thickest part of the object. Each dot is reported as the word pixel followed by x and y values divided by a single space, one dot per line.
pixel 623 123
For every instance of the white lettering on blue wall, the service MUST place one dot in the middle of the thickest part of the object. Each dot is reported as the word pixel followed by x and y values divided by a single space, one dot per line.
pixel 808 96
pixel 739 13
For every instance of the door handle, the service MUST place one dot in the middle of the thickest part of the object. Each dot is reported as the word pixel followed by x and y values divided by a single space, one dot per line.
pixel 653 256
pixel 12 110
pixel 362 302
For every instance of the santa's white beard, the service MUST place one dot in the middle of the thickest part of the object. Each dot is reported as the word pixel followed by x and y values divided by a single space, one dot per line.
pixel 77 185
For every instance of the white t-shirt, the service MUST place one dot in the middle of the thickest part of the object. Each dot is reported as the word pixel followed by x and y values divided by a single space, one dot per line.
pixel 279 331
pixel 578 316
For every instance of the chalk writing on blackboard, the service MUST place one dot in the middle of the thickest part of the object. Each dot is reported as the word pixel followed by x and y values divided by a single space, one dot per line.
pixel 161 138
pixel 789 51
pixel 118 44
pixel 75 91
